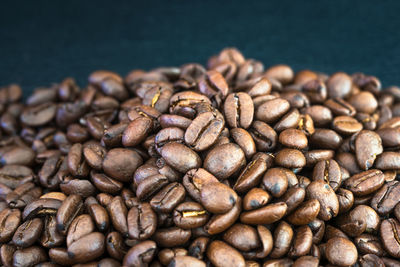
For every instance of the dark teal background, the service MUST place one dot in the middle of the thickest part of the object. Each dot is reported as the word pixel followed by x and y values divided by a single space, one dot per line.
pixel 44 41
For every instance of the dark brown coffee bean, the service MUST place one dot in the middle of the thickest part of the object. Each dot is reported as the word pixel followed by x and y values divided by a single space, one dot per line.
pixel 137 131
pixel 386 198
pixel 14 175
pixel 195 179
pixel 346 199
pixel 272 110
pixel 41 207
pixel 28 232
pixel 264 215
pixel 388 161
pixel 121 163
pixel 220 222
pixel 118 215
pixel 306 261
pixel 320 115
pixel 239 110
pixel 301 242
pixel 339 85
pixel 87 248
pixel 368 145
pixel 305 213
pixel 244 139
pixel 346 125
pixel 293 197
pixel 329 204
pixel 18 156
pixel 51 237
pixel 242 237
pixel 204 131
pixel 39 115
pixel 29 256
pixel 224 160
pixel 275 181
pixel 263 135
pixel 171 237
pixel 99 216
pixel 290 120
pixel 180 157
pixel 221 254
pixel 168 198
pixel 283 236
pixel 140 254
pixel 389 234
pixel 367 243
pixel 80 227
pixel 293 138
pixel 150 186
pixel 340 107
pixel 328 171
pixel 217 197
pixel 71 207
pixel 364 102
pixel 290 158
pixel 389 262
pixel 6 254
pixel 251 174
pixel 142 221
pixel 341 251
pixel 325 139
pixel 365 182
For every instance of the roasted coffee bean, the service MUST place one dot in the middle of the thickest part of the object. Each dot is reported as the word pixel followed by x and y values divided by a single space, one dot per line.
pixel 220 222
pixel 329 204
pixel 341 251
pixel 252 173
pixel 326 139
pixel 339 85
pixel 367 243
pixel 275 181
pixel 340 107
pixel 272 110
pixel 290 158
pixel 320 115
pixel 264 136
pixel 305 213
pixel 180 157
pixel 283 236
pixel 204 131
pixel 69 209
pixel 142 221
pixel 9 222
pixel 99 216
pixel 137 131
pixel 301 242
pixel 29 256
pixel 328 171
pixel 121 163
pixel 224 160
pixel 264 215
pixel 346 125
pixel 239 110
pixel 221 254
pixel 51 237
pixel 171 237
pixel 293 138
pixel 389 233
pixel 368 146
pixel 245 141
pixel 386 198
pixel 28 232
pixel 388 161
pixel 365 182
pixel 87 248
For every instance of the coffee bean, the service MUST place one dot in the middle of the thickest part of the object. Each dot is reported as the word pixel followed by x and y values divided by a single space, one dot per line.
pixel 224 160
pixel 221 254
pixel 329 204
pixel 368 145
pixel 365 182
pixel 341 251
pixel 389 233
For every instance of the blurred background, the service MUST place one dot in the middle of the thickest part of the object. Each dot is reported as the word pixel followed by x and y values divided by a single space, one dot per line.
pixel 42 42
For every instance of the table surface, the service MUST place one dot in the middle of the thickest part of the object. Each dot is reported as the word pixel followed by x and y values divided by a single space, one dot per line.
pixel 42 42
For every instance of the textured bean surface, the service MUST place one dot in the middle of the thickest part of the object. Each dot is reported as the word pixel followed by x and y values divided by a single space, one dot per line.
pixel 229 164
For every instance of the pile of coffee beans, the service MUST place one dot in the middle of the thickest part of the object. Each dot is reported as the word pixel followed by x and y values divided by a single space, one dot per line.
pixel 232 164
